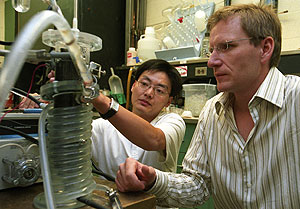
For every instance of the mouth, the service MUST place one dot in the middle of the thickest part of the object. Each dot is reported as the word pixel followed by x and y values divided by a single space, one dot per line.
pixel 219 75
pixel 144 102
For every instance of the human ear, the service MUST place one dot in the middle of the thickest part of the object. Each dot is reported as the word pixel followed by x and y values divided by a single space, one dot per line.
pixel 267 48
pixel 169 101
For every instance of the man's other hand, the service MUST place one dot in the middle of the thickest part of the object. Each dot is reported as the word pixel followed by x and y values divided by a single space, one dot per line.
pixel 135 176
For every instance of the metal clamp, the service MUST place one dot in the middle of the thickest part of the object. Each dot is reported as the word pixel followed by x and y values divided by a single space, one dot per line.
pixel 112 194
pixel 90 92
pixel 114 199
pixel 95 69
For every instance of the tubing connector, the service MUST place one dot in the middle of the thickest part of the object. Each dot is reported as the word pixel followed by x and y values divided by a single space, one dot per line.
pixel 90 92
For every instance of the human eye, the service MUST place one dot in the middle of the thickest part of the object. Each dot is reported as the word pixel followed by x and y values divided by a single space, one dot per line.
pixel 144 84
pixel 222 46
pixel 160 90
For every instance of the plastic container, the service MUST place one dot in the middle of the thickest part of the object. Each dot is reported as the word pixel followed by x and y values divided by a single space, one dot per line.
pixel 200 20
pixel 169 43
pixel 147 45
pixel 116 87
pixel 131 54
pixel 115 83
pixel 196 96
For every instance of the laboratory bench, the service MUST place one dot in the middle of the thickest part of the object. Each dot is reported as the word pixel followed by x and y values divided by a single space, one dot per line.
pixel 22 197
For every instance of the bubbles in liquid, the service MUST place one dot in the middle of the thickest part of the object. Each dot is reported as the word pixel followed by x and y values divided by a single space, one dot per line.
pixel 21 5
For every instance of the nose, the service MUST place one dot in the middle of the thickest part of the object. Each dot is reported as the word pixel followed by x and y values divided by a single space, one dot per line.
pixel 214 60
pixel 149 92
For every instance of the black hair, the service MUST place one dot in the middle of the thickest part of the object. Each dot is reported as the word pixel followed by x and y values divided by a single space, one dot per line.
pixel 159 65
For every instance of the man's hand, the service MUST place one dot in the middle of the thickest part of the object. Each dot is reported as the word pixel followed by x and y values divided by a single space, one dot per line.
pixel 27 103
pixel 51 76
pixel 134 176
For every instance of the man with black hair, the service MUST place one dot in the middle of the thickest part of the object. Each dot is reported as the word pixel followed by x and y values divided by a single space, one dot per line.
pixel 146 133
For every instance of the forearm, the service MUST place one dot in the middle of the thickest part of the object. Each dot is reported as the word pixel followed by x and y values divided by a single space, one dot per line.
pixel 133 127
pixel 139 131
pixel 179 190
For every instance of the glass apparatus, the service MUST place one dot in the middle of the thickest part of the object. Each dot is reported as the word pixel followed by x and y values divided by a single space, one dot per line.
pixel 21 5
pixel 67 169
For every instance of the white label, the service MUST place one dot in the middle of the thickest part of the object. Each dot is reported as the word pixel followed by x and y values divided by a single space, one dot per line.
pixel 182 70
pixel 200 71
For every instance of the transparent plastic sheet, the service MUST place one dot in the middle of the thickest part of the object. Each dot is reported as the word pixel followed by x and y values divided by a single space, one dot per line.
pixel 68 147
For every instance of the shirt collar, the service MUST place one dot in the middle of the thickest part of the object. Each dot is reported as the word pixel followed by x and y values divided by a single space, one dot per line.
pixel 271 90
pixel 225 99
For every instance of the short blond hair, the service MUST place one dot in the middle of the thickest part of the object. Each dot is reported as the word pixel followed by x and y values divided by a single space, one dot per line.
pixel 258 21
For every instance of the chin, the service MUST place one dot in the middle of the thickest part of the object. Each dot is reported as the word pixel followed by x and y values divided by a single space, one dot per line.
pixel 222 88
pixel 141 108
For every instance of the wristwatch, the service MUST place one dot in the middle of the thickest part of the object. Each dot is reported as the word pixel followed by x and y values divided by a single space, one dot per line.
pixel 113 109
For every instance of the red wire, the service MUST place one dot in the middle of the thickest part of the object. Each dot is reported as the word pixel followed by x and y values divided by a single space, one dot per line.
pixel 31 83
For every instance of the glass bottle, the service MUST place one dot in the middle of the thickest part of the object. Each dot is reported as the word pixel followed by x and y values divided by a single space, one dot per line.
pixel 204 53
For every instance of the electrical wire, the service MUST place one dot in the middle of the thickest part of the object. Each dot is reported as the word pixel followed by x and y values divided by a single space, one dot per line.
pixel 13 144
pixel 90 202
pixel 27 95
pixel 96 170
pixel 20 92
pixel 6 43
pixel 30 146
pixel 21 133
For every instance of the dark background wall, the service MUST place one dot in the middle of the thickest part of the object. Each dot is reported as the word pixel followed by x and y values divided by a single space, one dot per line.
pixel 105 19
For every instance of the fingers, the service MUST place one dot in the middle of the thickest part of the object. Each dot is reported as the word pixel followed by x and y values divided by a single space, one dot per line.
pixel 149 172
pixel 127 178
pixel 120 187
pixel 51 76
pixel 27 103
pixel 149 176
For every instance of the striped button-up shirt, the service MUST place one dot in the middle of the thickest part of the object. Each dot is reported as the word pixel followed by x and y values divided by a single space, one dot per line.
pixel 261 172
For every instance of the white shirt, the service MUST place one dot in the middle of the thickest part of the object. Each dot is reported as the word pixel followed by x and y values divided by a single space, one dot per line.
pixel 110 148
pixel 263 172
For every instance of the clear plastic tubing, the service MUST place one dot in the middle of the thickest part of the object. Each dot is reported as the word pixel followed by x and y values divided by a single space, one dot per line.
pixel 68 153
pixel 16 58
pixel 50 203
